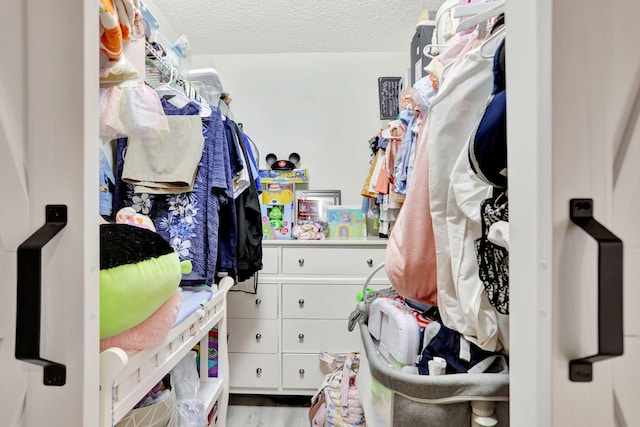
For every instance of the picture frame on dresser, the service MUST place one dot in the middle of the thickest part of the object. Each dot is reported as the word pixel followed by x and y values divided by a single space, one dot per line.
pixel 311 205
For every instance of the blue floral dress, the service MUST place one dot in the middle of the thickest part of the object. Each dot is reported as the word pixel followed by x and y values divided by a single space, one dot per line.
pixel 188 221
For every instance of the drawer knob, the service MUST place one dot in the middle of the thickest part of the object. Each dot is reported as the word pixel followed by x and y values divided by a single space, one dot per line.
pixel 301 262
pixel 369 262
pixel 258 301
pixel 301 372
pixel 258 337
pixel 301 337
pixel 301 302
pixel 258 371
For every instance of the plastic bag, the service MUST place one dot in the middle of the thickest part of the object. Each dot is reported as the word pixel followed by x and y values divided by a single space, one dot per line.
pixel 186 383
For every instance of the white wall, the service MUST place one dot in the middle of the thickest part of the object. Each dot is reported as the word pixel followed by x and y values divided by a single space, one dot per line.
pixel 324 106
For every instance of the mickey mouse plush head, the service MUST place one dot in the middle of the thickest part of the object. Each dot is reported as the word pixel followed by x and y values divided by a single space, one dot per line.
pixel 283 165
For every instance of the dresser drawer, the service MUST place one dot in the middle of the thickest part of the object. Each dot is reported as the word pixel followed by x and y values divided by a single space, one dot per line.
pixel 313 301
pixel 253 370
pixel 331 261
pixel 253 335
pixel 314 336
pixel 270 260
pixel 264 304
pixel 304 371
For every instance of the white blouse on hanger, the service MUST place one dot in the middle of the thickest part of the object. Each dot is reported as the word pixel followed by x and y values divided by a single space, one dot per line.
pixel 455 197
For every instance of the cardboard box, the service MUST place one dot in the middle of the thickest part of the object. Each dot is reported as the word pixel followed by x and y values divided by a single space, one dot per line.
pixel 277 193
pixel 277 210
pixel 296 176
pixel 346 222
pixel 277 221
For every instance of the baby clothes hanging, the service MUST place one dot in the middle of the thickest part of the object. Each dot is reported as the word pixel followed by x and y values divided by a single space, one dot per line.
pixel 410 257
pixel 456 193
pixel 189 221
pixel 488 160
pixel 431 253
pixel 131 109
pixel 166 165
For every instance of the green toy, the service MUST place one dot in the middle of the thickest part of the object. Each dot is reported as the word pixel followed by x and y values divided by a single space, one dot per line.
pixel 275 217
pixel 139 271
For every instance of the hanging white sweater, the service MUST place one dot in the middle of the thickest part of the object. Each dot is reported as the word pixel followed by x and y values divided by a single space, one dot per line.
pixel 455 196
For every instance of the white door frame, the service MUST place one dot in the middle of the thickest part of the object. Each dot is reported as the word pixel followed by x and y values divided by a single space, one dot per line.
pixel 49 78
pixel 529 134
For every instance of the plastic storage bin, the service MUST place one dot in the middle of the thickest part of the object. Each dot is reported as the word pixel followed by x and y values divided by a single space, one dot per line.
pixel 394 398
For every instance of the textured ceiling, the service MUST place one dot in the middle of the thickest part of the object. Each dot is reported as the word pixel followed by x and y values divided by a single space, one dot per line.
pixel 286 26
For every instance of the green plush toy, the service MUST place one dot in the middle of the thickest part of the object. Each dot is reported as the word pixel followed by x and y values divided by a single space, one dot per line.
pixel 275 217
pixel 139 271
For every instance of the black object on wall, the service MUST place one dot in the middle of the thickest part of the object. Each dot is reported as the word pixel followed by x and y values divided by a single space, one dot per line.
pixel 421 38
pixel 389 91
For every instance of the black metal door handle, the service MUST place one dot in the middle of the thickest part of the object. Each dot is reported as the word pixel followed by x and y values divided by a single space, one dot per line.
pixel 29 298
pixel 610 322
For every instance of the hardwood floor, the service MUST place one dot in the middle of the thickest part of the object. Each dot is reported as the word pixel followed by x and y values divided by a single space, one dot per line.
pixel 268 411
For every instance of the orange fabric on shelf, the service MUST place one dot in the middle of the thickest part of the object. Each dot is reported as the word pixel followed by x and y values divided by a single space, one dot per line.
pixel 111 37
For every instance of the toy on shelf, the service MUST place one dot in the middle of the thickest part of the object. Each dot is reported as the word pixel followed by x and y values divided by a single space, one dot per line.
pixel 346 222
pixel 297 176
pixel 275 217
pixel 310 230
pixel 283 165
pixel 277 210
pixel 276 222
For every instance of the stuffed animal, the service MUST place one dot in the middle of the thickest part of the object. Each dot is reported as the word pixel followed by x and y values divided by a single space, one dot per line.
pixel 129 216
pixel 310 230
pixel 275 217
pixel 118 19
pixel 139 272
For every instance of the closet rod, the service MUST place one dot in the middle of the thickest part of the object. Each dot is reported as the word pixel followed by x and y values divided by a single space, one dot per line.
pixel 170 72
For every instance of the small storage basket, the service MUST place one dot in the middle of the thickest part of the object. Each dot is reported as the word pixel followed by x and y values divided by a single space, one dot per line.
pixel 163 414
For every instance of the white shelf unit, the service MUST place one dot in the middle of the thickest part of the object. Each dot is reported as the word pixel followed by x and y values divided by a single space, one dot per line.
pixel 126 377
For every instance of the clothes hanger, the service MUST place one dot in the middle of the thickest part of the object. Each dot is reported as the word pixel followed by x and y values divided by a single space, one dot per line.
pixel 177 91
pixel 471 9
pixel 193 96
pixel 496 8
pixel 171 93
pixel 433 50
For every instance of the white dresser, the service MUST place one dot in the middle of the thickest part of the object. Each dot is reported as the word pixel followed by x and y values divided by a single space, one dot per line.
pixel 306 291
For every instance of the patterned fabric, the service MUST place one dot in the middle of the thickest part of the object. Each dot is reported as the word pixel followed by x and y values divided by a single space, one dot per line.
pixel 493 260
pixel 460 354
pixel 336 403
pixel 163 413
pixel 188 221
